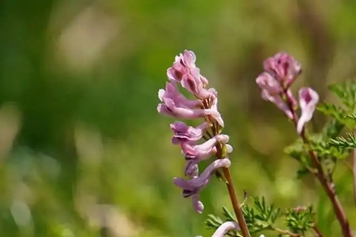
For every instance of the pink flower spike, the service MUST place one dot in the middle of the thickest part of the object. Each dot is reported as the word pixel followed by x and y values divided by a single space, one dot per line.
pixel 184 133
pixel 308 98
pixel 202 151
pixel 283 67
pixel 226 227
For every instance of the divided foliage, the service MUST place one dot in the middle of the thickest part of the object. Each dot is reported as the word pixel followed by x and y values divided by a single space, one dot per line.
pixel 329 144
pixel 261 216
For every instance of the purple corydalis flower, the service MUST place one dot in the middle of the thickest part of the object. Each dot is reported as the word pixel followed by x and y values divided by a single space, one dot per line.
pixel 185 72
pixel 170 108
pixel 269 84
pixel 283 67
pixel 179 99
pixel 185 133
pixel 204 150
pixel 225 227
pixel 272 91
pixel 308 98
pixel 193 186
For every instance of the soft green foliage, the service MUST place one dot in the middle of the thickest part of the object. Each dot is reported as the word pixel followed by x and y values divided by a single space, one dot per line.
pixel 341 142
pixel 261 217
pixel 327 144
pixel 300 219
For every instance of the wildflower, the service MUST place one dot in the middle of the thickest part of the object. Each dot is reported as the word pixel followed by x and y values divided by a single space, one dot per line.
pixel 185 133
pixel 204 150
pixel 184 72
pixel 283 67
pixel 196 184
pixel 308 98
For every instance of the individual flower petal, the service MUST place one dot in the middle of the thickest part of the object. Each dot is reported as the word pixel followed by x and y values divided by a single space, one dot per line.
pixel 278 101
pixel 170 108
pixel 308 98
pixel 197 204
pixel 283 67
pixel 214 107
pixel 192 169
pixel 192 187
pixel 268 83
pixel 225 227
pixel 195 185
pixel 179 99
pixel 192 82
pixel 189 58
pixel 184 133
pixel 181 65
pixel 202 151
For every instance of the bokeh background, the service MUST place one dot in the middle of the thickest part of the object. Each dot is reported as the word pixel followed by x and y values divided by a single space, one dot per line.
pixel 83 150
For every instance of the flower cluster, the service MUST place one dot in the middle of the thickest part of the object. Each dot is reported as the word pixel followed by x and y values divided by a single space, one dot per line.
pixel 280 71
pixel 184 72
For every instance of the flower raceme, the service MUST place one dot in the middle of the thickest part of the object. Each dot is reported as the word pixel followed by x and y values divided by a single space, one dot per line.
pixel 281 71
pixel 204 106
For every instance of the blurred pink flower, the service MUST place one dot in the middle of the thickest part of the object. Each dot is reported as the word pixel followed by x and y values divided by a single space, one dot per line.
pixel 283 67
pixel 269 84
pixel 308 98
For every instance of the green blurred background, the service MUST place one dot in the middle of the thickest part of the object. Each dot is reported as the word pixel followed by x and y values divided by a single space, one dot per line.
pixel 83 150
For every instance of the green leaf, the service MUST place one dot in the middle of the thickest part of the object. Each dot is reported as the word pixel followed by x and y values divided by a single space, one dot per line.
pixel 346 143
pixel 300 219
pixel 213 222
pixel 337 113
pixel 332 129
pixel 346 93
pixel 230 216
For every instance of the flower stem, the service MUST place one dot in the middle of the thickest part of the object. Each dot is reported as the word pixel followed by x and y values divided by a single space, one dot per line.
pixel 327 184
pixel 317 231
pixel 234 201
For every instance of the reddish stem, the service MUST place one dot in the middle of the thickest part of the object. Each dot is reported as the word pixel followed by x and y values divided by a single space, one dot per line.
pixel 327 185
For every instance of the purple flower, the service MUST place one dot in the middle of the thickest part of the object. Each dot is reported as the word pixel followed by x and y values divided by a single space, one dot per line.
pixel 181 65
pixel 185 72
pixel 278 101
pixel 272 91
pixel 308 98
pixel 283 67
pixel 185 133
pixel 170 108
pixel 179 99
pixel 202 151
pixel 193 186
pixel 225 227
pixel 269 84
